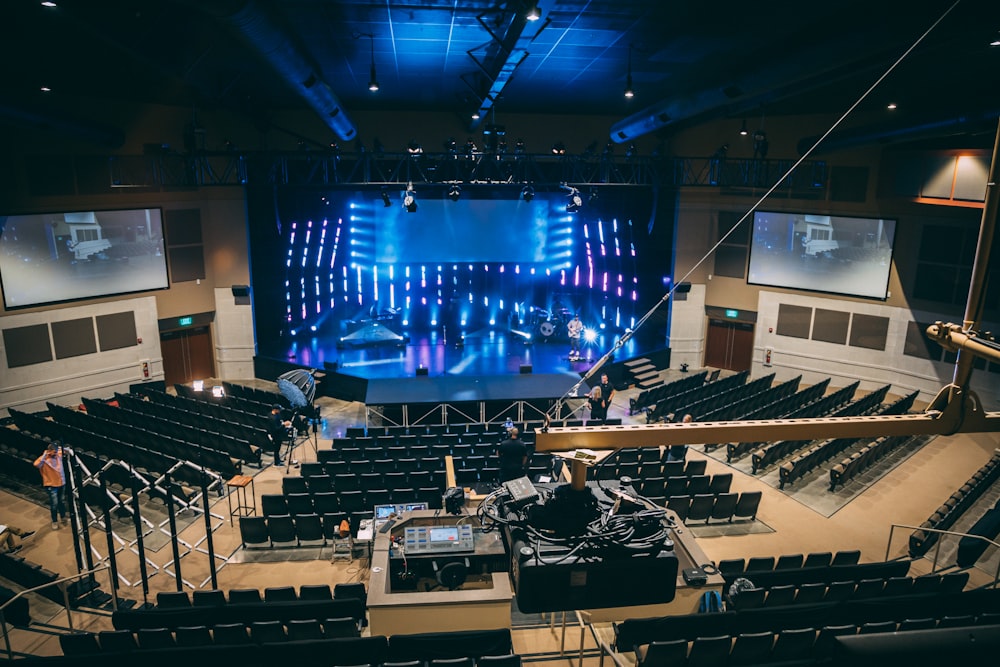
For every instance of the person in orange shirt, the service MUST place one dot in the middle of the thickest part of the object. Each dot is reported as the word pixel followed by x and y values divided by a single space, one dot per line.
pixel 50 464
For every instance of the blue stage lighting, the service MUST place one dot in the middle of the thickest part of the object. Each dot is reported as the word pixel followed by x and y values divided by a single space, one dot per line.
pixel 589 335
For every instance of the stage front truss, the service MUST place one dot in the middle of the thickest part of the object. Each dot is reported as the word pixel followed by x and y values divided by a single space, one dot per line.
pixel 464 412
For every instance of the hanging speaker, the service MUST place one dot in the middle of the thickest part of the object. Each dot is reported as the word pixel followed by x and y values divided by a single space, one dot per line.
pixel 525 369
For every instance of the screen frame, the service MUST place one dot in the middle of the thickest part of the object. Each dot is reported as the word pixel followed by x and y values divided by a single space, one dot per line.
pixel 888 278
pixel 103 295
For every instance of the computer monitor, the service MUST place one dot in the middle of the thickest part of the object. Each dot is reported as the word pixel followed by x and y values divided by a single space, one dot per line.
pixel 384 512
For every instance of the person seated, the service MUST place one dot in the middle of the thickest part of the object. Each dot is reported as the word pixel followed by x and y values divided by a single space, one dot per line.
pixel 9 538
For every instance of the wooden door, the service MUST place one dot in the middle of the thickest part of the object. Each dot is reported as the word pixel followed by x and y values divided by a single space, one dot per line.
pixel 729 345
pixel 187 355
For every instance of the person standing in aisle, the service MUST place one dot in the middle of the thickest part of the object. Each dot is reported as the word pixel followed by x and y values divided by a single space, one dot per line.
pixel 50 464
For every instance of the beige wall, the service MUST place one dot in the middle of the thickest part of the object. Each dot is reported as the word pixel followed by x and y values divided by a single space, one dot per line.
pixel 224 216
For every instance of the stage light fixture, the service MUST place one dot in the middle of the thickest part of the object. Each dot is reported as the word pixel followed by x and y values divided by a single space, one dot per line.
pixel 743 128
pixel 454 192
pixel 527 193
pixel 533 13
pixel 414 147
pixel 373 78
pixel 410 199
pixel 385 199
pixel 559 148
pixel 629 90
pixel 575 200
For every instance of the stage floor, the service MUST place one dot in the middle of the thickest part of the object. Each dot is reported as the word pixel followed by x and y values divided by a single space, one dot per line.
pixel 485 353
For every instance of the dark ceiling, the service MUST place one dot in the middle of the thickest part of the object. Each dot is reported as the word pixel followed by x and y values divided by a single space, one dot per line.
pixel 690 61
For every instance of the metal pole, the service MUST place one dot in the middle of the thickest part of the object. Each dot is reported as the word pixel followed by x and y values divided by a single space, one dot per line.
pixel 112 559
pixel 72 510
pixel 173 532
pixel 139 543
pixel 208 534
pixel 977 287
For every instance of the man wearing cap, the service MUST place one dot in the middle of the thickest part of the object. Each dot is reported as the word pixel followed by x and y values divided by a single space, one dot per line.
pixel 277 429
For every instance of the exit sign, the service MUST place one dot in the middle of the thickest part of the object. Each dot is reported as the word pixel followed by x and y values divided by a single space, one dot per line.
pixel 732 313
pixel 185 321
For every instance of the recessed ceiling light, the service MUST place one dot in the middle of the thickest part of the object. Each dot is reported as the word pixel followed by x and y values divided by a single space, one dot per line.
pixel 891 106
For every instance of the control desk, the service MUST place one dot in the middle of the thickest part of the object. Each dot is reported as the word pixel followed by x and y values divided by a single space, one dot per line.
pixel 440 539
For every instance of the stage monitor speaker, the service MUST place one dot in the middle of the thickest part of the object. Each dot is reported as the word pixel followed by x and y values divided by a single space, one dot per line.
pixel 525 369
pixel 421 371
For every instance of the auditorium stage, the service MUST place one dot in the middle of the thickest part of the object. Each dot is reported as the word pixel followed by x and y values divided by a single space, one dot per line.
pixel 487 366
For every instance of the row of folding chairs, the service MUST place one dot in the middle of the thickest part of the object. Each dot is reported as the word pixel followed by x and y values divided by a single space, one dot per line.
pixel 647 462
pixel 797 645
pixel 704 398
pixel 349 502
pixel 105 447
pixel 255 394
pixel 417 445
pixel 297 641
pixel 199 402
pixel 303 530
pixel 861 461
pixel 229 402
pixel 214 597
pixel 683 486
pixel 730 568
pixel 184 417
pixel 202 431
pixel 361 478
pixel 708 507
pixel 325 484
pixel 651 396
pixel 431 464
pixel 181 449
pixel 841 591
pixel 956 504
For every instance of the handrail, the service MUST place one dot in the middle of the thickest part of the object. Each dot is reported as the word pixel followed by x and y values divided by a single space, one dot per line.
pixel 56 582
pixel 937 548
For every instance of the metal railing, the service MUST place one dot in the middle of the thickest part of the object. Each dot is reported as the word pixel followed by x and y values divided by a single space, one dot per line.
pixel 937 547
pixel 63 586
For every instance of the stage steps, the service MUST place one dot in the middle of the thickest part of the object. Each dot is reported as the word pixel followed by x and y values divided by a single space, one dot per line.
pixel 644 373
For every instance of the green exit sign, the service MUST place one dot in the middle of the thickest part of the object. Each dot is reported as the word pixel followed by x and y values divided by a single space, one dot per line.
pixel 732 313
pixel 185 321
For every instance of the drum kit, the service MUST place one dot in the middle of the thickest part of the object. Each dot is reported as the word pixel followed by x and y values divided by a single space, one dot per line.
pixel 551 323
